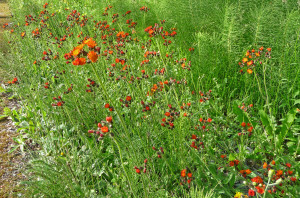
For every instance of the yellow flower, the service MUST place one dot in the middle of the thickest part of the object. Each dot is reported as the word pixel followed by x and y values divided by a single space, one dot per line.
pixel 238 195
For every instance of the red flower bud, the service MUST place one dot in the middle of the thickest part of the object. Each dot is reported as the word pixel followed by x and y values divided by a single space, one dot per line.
pixel 109 119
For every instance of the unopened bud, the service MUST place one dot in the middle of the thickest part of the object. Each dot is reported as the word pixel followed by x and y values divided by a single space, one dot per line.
pixel 278 181
pixel 270 173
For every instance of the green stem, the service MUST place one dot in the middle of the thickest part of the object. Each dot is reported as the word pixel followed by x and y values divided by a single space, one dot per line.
pixel 122 163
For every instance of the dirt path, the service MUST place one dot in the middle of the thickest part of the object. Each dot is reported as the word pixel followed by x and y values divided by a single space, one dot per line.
pixel 11 164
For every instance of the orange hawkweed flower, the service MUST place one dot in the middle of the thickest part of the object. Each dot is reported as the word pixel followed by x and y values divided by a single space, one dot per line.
pixel 257 179
pixel 260 190
pixel 279 173
pixel 183 173
pixel 293 179
pixel 93 56
pixel 265 165
pixel 189 174
pixel 75 52
pixel 138 171
pixel 244 60
pixel 273 162
pixel 250 63
pixel 80 47
pixel 269 49
pixel 79 61
pixel 128 98
pixel 104 129
pixel 250 71
pixel 248 171
pixel 23 34
pixel 109 119
pixel 90 43
pixel 236 162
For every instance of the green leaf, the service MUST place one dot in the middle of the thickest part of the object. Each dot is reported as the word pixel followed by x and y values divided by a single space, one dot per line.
pixel 297 102
pixel 228 179
pixel 2 90
pixel 14 148
pixel 231 157
pixel 232 180
pixel 3 117
pixel 286 124
pixel 241 115
pixel 266 122
pixel 290 144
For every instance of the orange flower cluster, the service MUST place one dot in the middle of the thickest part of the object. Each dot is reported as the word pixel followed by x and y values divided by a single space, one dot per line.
pixel 186 176
pixel 126 102
pixel 157 88
pixel 146 106
pixel 245 107
pixel 14 81
pixel 109 107
pixel 184 64
pixel 79 51
pixel 138 170
pixel 257 179
pixel 151 53
pixel 234 163
pixel 91 85
pixel 245 172
pixel 59 102
pixel 171 114
pixel 204 96
pixel 246 128
pixel 5 25
pixel 197 143
pixel 253 58
pixel 159 152
pixel 144 8
pixel 204 124
pixel 104 127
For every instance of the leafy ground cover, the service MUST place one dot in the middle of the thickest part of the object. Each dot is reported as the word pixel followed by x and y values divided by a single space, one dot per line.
pixel 125 100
